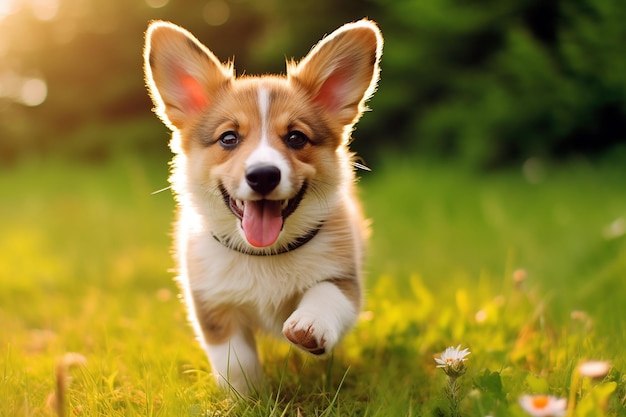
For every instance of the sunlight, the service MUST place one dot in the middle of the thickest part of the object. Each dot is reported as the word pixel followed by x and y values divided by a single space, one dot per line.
pixel 8 7
pixel 44 10
pixel 216 12
pixel 33 92
pixel 29 91
pixel 157 4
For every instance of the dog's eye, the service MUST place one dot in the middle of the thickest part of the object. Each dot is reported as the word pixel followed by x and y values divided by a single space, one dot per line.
pixel 296 139
pixel 229 140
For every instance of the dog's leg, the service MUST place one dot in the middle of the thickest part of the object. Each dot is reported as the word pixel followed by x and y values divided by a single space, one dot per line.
pixel 325 313
pixel 231 349
pixel 235 363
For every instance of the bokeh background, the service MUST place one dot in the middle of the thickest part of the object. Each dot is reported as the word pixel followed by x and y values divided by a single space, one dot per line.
pixel 488 83
pixel 497 147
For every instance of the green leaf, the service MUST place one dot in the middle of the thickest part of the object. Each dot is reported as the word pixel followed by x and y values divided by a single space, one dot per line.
pixel 594 403
pixel 490 382
pixel 537 385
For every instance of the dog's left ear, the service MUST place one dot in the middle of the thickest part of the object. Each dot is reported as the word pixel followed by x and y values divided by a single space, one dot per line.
pixel 341 72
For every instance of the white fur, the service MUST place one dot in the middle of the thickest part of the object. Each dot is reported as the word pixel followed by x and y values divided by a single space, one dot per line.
pixel 266 154
pixel 264 111
pixel 235 363
pixel 260 281
pixel 324 310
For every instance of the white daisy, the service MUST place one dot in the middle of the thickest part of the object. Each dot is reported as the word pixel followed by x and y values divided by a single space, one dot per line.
pixel 452 361
pixel 543 405
pixel 594 369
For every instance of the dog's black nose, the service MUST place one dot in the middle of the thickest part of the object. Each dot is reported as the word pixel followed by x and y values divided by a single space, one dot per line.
pixel 263 178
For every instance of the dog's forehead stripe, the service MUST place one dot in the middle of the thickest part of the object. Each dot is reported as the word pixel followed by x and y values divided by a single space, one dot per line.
pixel 264 110
pixel 265 153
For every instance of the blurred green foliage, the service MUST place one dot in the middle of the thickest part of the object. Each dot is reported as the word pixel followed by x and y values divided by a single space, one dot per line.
pixel 485 81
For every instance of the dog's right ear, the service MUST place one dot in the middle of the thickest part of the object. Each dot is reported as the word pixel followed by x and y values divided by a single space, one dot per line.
pixel 182 74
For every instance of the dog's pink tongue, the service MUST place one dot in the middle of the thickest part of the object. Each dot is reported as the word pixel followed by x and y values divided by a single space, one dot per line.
pixel 262 222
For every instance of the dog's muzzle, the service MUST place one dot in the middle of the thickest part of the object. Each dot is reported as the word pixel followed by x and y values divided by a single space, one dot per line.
pixel 262 220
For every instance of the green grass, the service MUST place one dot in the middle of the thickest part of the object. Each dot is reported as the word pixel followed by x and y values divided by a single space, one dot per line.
pixel 85 267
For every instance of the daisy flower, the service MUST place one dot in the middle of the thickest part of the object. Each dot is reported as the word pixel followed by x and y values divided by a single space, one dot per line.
pixel 543 405
pixel 452 361
pixel 594 369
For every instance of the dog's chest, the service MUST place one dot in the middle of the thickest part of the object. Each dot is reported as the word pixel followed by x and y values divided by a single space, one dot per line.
pixel 266 284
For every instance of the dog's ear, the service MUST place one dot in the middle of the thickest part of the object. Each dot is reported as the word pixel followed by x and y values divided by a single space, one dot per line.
pixel 341 71
pixel 182 74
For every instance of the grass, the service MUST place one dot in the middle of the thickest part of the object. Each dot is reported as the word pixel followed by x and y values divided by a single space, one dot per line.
pixel 85 268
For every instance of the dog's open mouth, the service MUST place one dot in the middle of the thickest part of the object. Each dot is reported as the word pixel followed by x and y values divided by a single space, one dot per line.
pixel 262 220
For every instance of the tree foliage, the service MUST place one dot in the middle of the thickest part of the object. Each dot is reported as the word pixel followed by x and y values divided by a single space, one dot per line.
pixel 485 81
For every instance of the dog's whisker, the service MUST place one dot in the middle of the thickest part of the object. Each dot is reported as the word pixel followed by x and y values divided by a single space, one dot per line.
pixel 359 165
pixel 161 190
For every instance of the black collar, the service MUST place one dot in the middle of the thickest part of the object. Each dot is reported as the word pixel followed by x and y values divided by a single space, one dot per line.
pixel 301 241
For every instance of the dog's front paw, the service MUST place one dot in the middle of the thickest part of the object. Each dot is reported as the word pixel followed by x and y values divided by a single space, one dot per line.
pixel 309 333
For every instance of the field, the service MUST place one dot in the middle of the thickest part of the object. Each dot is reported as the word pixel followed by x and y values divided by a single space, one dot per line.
pixel 525 267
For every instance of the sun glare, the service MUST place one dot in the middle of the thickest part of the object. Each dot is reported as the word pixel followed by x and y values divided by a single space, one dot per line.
pixel 26 89
pixel 8 7
pixel 33 92
pixel 30 91
pixel 43 10
pixel 216 12
pixel 157 4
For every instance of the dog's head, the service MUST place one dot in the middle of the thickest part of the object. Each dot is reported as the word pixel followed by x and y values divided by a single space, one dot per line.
pixel 262 150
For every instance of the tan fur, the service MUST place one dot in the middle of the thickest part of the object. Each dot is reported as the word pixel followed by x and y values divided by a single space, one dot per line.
pixel 217 323
pixel 310 292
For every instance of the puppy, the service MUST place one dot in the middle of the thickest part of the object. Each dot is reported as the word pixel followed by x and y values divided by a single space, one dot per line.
pixel 269 233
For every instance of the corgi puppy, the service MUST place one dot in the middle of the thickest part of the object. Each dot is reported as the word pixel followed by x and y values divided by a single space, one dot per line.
pixel 269 233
